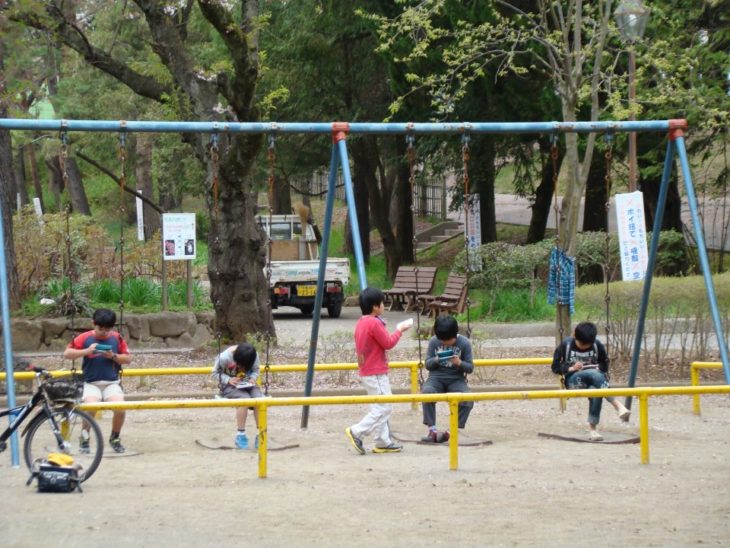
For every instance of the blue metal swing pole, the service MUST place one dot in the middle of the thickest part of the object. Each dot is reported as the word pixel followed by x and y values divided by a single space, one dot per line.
pixel 702 252
pixel 653 249
pixel 352 214
pixel 7 342
pixel 323 252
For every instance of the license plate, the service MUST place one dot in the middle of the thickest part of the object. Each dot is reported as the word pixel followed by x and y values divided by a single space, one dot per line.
pixel 306 290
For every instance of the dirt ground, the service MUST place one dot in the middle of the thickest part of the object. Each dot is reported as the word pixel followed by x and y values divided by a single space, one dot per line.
pixel 522 490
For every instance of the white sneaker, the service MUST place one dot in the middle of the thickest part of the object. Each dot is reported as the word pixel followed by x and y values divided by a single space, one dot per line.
pixel 596 436
pixel 623 412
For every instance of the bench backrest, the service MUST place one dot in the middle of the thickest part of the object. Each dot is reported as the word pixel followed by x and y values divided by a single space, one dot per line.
pixel 455 287
pixel 423 282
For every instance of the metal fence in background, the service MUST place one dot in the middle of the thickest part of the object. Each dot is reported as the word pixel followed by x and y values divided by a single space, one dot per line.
pixel 430 200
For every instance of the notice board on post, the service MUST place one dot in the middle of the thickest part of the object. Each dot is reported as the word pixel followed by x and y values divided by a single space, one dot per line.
pixel 178 236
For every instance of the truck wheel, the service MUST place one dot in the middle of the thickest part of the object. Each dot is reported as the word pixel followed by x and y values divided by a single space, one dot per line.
pixel 307 309
pixel 334 309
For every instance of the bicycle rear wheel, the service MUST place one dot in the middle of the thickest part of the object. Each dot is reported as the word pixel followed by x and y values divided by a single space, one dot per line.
pixel 40 439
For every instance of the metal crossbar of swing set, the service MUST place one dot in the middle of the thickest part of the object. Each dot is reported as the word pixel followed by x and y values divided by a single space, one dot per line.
pixel 452 399
pixel 347 127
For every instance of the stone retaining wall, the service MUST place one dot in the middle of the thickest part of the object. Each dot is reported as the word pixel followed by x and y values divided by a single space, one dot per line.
pixel 159 330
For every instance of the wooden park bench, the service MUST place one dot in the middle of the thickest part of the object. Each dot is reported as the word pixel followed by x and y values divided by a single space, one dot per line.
pixel 452 300
pixel 408 286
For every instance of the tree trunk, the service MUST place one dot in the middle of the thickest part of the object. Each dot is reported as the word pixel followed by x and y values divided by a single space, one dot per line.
pixel 6 177
pixel 143 178
pixel 543 195
pixel 75 189
pixel 34 174
pixel 482 175
pixel 21 183
pixel 594 213
pixel 234 240
pixel 280 200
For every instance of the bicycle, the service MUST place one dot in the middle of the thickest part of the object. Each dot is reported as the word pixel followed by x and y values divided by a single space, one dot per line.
pixel 57 426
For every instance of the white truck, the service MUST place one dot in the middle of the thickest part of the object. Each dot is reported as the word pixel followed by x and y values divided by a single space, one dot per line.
pixel 295 267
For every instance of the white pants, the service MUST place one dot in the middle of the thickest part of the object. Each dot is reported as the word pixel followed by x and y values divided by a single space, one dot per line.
pixel 376 421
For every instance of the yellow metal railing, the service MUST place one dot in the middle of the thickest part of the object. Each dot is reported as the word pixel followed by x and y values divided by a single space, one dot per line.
pixel 453 400
pixel 694 375
pixel 301 367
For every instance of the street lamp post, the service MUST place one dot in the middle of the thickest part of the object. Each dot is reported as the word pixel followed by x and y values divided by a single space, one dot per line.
pixel 631 17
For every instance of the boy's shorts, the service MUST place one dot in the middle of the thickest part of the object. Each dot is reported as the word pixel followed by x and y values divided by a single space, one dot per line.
pixel 241 393
pixel 102 390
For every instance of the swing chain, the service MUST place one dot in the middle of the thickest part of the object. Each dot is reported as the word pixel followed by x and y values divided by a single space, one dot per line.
pixel 411 142
pixel 607 266
pixel 271 156
pixel 465 156
pixel 214 153
pixel 122 219
pixel 554 152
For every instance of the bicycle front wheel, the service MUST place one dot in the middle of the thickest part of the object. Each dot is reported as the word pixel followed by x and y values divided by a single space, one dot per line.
pixel 42 438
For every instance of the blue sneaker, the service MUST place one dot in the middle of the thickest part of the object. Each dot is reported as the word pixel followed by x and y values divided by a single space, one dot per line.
pixel 241 441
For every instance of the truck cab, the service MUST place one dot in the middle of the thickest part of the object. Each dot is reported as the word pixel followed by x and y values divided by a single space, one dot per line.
pixel 295 266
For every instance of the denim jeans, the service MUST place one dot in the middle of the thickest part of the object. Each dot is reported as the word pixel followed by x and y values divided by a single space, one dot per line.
pixel 590 378
pixel 435 385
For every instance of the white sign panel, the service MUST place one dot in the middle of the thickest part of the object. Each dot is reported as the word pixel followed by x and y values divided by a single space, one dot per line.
pixel 632 235
pixel 473 230
pixel 178 236
pixel 38 210
pixel 140 218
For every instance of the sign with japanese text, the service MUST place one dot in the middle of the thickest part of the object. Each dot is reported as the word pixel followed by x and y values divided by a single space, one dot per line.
pixel 178 236
pixel 631 235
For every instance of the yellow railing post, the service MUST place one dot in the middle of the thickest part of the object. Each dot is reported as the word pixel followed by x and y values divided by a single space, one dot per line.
pixel 454 439
pixel 414 384
pixel 694 376
pixel 263 439
pixel 644 427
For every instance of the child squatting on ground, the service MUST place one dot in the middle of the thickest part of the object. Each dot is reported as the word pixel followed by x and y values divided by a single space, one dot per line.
pixel 371 342
pixel 236 369
pixel 448 360
pixel 104 352
pixel 583 361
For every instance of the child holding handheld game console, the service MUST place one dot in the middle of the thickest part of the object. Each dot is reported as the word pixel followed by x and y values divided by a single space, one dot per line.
pixel 103 351
pixel 449 361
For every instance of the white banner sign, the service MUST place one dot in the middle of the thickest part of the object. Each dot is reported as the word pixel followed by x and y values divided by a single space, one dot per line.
pixel 631 235
pixel 473 230
pixel 38 210
pixel 178 236
pixel 140 217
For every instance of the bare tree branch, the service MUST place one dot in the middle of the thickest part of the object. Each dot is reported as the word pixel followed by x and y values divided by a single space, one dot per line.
pixel 107 171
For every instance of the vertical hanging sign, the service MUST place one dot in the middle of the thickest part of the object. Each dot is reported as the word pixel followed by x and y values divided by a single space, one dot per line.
pixel 632 235
pixel 473 230
pixel 178 236
pixel 140 217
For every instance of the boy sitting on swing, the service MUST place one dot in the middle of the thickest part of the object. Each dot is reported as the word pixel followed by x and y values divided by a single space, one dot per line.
pixel 449 361
pixel 237 369
pixel 583 361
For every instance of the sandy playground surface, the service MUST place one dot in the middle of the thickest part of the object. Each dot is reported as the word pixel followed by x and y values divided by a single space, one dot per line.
pixel 522 490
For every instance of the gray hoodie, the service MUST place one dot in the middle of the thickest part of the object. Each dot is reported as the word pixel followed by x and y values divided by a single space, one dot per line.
pixel 461 348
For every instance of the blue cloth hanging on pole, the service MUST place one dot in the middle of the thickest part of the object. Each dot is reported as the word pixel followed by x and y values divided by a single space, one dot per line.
pixel 561 279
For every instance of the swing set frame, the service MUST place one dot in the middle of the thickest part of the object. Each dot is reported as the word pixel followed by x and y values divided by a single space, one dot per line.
pixel 339 131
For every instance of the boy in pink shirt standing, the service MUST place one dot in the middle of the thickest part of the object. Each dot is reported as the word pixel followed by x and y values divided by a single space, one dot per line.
pixel 371 341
